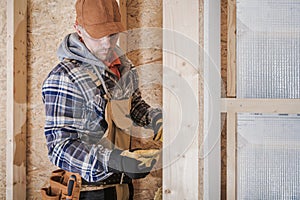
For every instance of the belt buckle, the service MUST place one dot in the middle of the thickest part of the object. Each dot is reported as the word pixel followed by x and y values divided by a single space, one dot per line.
pixel 122 177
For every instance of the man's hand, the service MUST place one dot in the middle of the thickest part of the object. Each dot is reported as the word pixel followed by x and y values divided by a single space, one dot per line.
pixel 145 156
pixel 158 131
pixel 136 164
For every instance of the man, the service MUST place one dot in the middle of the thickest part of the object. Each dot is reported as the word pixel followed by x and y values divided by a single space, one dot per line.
pixel 91 98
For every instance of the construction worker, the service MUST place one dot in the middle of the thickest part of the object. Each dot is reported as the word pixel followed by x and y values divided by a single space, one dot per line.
pixel 91 100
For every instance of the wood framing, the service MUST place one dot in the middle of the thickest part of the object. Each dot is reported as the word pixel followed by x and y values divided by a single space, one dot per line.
pixel 232 107
pixel 231 155
pixel 212 95
pixel 231 48
pixel 181 55
pixel 16 99
pixel 284 106
pixel 123 11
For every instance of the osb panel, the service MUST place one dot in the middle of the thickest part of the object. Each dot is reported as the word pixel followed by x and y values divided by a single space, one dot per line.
pixel 2 97
pixel 224 92
pixel 144 21
pixel 142 13
pixel 48 22
pixel 223 156
pixel 224 46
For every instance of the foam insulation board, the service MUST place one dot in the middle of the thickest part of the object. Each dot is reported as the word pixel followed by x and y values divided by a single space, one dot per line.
pixel 268 48
pixel 268 152
pixel 268 60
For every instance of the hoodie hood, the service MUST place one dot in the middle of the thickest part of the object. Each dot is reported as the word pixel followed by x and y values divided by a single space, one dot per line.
pixel 72 48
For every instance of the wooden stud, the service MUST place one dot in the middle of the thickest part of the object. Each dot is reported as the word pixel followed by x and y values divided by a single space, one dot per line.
pixel 231 156
pixel 16 99
pixel 232 107
pixel 181 54
pixel 231 49
pixel 123 37
pixel 212 95
pixel 283 106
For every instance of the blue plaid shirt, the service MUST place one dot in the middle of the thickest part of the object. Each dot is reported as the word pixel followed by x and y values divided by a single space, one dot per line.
pixel 75 107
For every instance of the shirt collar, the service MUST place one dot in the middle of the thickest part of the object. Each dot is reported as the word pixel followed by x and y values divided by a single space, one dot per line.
pixel 113 61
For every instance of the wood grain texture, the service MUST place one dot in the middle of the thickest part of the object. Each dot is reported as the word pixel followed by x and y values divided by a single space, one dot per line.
pixel 224 32
pixel 201 86
pixel 181 57
pixel 231 49
pixel 3 64
pixel 123 11
pixel 224 29
pixel 283 106
pixel 16 104
pixel 231 156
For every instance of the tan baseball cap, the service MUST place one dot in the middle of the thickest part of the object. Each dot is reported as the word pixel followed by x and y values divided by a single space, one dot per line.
pixel 99 17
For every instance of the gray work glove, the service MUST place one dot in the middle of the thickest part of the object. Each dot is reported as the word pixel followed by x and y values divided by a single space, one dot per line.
pixel 135 164
pixel 158 128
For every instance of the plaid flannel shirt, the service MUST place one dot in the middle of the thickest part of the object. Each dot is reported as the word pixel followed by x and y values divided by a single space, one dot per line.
pixel 75 107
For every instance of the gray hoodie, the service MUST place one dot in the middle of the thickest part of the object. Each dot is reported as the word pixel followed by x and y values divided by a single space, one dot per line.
pixel 73 48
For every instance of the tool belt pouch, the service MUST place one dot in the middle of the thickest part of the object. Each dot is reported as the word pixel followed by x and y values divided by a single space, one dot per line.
pixel 58 189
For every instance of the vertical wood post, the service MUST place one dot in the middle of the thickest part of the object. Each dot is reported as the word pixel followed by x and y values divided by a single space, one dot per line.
pixel 212 95
pixel 181 55
pixel 123 11
pixel 231 155
pixel 16 99
pixel 231 48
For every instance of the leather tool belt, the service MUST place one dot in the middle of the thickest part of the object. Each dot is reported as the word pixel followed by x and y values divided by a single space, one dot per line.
pixel 59 188
pixel 63 185
pixel 120 178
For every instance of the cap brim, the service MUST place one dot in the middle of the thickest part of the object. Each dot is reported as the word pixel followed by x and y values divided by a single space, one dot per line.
pixel 101 30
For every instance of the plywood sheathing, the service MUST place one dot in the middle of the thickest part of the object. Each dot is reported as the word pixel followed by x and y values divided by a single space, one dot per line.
pixel 48 23
pixel 224 47
pixel 3 55
pixel 224 28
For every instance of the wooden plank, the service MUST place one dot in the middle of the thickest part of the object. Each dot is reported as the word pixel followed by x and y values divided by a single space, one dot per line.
pixel 123 11
pixel 181 99
pixel 231 156
pixel 16 99
pixel 283 106
pixel 231 49
pixel 201 138
pixel 212 95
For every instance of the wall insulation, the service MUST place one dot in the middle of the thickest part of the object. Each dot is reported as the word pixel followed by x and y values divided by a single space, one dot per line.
pixel 3 48
pixel 48 23
pixel 268 156
pixel 268 49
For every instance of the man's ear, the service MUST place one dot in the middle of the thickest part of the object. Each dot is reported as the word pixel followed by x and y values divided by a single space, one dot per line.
pixel 78 29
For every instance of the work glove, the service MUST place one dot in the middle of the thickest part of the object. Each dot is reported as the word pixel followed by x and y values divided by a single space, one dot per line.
pixel 158 134
pixel 157 128
pixel 135 164
pixel 145 156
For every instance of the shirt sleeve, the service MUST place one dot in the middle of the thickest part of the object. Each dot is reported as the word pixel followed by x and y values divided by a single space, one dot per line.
pixel 142 113
pixel 64 124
